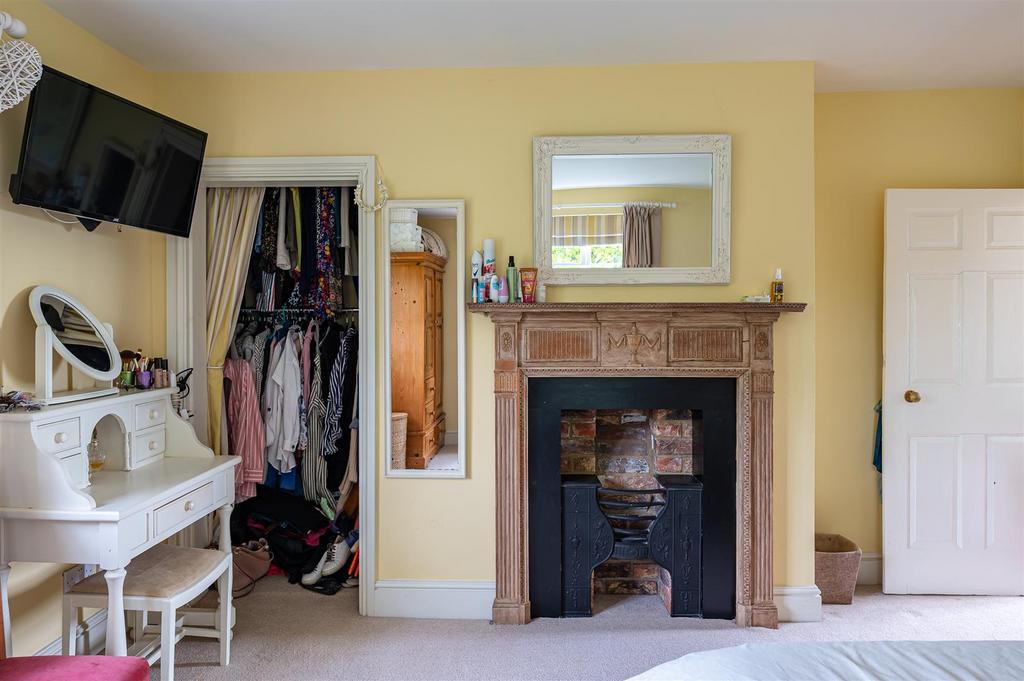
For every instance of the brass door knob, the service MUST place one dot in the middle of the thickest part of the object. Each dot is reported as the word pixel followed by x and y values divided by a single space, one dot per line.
pixel 912 396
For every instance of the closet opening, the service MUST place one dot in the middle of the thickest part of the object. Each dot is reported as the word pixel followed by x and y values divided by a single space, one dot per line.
pixel 289 381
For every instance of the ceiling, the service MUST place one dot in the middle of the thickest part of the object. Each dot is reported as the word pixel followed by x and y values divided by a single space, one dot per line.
pixel 857 44
pixel 631 170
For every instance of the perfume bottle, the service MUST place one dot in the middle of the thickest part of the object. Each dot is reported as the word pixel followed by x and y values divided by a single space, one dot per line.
pixel 96 456
pixel 777 286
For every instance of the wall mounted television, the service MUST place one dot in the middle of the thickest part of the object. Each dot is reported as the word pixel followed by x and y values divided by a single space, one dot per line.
pixel 101 158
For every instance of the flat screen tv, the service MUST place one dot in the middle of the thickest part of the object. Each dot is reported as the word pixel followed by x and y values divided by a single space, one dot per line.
pixel 99 157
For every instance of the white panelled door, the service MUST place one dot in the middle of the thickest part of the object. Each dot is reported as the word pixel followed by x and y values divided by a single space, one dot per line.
pixel 953 391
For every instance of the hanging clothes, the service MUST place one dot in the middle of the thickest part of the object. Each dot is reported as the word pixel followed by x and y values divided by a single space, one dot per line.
pixel 314 467
pixel 340 403
pixel 281 403
pixel 246 428
pixel 297 382
pixel 268 236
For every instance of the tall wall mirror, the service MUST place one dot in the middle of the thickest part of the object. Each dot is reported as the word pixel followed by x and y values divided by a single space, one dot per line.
pixel 424 310
pixel 648 209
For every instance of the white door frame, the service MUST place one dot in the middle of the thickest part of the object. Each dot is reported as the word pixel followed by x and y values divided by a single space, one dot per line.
pixel 186 303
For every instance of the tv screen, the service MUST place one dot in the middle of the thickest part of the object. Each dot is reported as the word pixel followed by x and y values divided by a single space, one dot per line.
pixel 97 156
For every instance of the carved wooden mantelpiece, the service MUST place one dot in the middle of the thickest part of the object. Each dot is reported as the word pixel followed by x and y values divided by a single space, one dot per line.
pixel 637 339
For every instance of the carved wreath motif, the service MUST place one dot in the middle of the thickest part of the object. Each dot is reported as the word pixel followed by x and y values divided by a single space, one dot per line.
pixel 506 342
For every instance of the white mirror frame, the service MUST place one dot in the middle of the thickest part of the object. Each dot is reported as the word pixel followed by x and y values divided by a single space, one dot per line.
pixel 47 341
pixel 720 148
pixel 456 259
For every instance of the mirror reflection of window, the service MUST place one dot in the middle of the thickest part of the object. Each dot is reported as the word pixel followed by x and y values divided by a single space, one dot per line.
pixel 631 210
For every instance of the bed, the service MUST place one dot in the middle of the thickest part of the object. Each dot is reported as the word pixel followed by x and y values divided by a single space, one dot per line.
pixel 849 661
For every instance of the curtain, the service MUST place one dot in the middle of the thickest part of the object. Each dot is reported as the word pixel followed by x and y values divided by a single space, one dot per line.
pixel 231 217
pixel 641 234
pixel 586 230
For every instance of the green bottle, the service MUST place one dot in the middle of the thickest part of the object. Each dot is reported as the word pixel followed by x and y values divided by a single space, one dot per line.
pixel 512 277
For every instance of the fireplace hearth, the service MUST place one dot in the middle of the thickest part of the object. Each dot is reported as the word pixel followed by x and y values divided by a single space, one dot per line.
pixel 708 341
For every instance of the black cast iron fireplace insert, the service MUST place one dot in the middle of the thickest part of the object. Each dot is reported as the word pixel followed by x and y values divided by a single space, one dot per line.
pixel 692 515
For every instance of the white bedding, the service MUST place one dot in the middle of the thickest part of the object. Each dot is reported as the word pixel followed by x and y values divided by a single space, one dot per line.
pixel 850 661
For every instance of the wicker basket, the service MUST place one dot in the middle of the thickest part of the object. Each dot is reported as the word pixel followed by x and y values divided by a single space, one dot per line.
pixel 399 431
pixel 836 563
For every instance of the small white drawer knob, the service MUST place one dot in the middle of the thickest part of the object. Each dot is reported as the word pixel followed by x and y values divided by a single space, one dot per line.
pixel 152 445
pixel 60 438
pixel 189 505
pixel 153 413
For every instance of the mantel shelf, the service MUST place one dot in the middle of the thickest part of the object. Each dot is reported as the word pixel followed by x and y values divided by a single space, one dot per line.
pixel 489 308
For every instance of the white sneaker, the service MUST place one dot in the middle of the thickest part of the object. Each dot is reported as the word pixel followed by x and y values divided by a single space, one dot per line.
pixel 337 557
pixel 311 578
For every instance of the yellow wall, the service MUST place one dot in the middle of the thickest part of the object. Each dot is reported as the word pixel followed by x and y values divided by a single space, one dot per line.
pixel 470 136
pixel 866 142
pixel 120 276
pixel 685 229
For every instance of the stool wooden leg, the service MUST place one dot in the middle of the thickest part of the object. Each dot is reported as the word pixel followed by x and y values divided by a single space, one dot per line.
pixel 138 625
pixel 5 610
pixel 224 616
pixel 69 627
pixel 224 587
pixel 168 632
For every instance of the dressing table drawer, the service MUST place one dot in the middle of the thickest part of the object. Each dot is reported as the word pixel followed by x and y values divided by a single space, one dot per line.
pixel 60 436
pixel 184 509
pixel 148 446
pixel 149 414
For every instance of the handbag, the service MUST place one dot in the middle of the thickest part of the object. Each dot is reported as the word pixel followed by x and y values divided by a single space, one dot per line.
pixel 250 562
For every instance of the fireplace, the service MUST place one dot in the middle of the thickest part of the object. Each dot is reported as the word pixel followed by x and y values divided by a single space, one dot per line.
pixel 700 343
pixel 629 448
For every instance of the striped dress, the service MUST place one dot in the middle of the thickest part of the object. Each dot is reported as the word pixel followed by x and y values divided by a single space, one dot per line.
pixel 246 427
pixel 314 468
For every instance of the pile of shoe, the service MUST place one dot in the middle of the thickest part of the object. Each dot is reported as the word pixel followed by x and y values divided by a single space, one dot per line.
pixel 331 563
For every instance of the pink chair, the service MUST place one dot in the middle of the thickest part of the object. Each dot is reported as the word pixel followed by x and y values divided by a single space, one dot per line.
pixel 60 668
pixel 84 668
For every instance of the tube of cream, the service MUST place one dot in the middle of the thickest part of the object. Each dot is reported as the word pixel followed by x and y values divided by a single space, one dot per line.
pixel 528 277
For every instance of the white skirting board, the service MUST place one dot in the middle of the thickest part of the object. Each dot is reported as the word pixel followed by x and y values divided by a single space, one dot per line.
pixel 91 637
pixel 434 599
pixel 870 569
pixel 798 603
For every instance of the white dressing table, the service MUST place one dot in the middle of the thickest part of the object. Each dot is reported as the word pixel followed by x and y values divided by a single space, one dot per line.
pixel 158 478
pixel 46 517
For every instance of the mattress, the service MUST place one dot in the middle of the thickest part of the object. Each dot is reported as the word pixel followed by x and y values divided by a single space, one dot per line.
pixel 849 661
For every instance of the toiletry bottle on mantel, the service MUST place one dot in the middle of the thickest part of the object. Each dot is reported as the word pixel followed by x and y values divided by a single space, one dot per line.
pixel 777 286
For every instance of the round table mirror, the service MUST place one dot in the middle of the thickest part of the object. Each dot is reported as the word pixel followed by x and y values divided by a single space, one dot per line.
pixel 78 336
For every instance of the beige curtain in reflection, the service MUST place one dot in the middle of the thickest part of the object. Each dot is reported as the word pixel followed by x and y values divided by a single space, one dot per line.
pixel 641 234
pixel 231 217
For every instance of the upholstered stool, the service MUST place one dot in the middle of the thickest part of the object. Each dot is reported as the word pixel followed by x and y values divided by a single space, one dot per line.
pixel 162 579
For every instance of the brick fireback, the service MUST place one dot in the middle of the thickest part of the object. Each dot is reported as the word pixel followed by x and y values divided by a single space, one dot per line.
pixel 625 446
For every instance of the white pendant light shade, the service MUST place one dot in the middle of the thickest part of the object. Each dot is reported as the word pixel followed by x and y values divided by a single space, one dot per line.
pixel 20 63
pixel 20 70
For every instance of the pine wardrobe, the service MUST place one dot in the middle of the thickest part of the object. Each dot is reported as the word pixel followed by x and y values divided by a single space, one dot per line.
pixel 417 344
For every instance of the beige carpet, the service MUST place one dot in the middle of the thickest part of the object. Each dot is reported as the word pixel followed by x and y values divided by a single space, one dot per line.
pixel 286 632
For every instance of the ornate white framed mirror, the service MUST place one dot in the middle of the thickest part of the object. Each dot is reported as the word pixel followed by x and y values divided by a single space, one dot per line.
pixel 424 311
pixel 640 209
pixel 66 326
